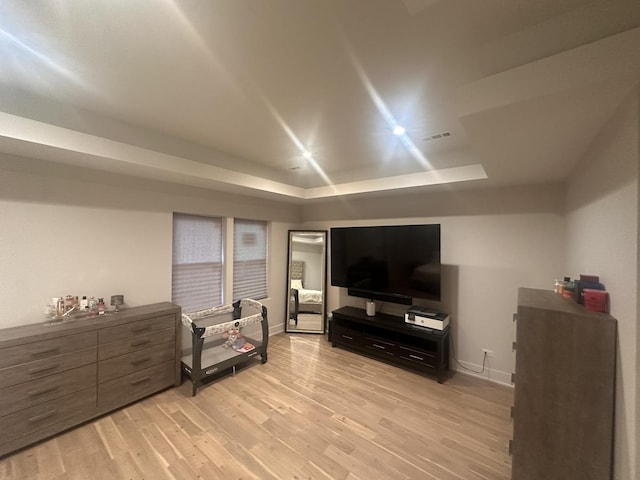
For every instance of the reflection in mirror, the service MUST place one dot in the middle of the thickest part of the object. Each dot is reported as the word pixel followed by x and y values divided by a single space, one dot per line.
pixel 306 278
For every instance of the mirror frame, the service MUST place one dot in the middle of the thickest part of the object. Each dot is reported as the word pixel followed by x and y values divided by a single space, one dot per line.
pixel 323 261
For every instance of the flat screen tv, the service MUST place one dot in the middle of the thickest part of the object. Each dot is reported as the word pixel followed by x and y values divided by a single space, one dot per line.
pixel 393 263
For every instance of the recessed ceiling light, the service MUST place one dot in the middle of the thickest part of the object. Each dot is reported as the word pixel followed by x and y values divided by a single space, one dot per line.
pixel 306 154
pixel 398 130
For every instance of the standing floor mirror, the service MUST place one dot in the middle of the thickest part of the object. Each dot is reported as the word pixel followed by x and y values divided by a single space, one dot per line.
pixel 306 281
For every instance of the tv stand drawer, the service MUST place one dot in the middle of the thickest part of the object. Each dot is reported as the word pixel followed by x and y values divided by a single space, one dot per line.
pixel 347 332
pixel 380 346
pixel 417 356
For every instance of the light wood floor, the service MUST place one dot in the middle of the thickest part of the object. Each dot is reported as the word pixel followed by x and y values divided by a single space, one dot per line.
pixel 310 412
pixel 307 321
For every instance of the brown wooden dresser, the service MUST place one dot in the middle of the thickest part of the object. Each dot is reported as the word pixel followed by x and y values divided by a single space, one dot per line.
pixel 564 389
pixel 56 376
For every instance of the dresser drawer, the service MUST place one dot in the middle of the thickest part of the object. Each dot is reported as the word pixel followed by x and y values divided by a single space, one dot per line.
pixel 135 343
pixel 29 352
pixel 133 362
pixel 49 366
pixel 64 411
pixel 141 327
pixel 28 394
pixel 123 390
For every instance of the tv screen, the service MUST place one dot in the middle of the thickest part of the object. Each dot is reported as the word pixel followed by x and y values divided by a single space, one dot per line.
pixel 398 260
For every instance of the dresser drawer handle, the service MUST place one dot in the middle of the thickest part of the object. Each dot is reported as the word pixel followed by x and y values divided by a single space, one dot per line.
pixel 140 328
pixel 140 361
pixel 347 337
pixel 416 357
pixel 46 352
pixel 36 393
pixel 43 416
pixel 139 381
pixel 48 368
pixel 381 347
pixel 140 343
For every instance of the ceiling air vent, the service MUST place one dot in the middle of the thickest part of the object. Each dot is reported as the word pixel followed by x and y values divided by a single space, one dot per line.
pixel 437 136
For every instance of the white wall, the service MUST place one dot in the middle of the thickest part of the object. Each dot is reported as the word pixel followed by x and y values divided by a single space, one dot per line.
pixel 492 243
pixel 54 250
pixel 602 229
pixel 80 232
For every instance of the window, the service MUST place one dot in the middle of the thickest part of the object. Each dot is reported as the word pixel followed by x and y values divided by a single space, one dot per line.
pixel 197 272
pixel 249 259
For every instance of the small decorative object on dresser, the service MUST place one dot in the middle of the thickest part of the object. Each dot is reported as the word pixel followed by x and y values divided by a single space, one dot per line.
pixel 117 301
pixel 56 375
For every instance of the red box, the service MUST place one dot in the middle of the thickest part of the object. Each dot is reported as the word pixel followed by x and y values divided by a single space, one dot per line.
pixel 595 300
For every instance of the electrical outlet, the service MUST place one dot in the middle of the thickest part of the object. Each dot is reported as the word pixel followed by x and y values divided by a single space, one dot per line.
pixel 487 352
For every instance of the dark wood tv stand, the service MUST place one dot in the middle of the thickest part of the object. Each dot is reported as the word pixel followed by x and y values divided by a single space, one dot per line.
pixel 389 339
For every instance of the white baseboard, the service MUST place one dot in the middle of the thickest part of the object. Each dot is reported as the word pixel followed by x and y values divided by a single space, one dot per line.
pixel 497 376
pixel 275 329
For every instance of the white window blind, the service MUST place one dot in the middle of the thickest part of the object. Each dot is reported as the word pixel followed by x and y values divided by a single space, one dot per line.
pixel 249 259
pixel 197 273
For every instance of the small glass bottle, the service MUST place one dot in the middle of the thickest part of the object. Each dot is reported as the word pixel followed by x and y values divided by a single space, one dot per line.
pixel 60 307
pixel 93 306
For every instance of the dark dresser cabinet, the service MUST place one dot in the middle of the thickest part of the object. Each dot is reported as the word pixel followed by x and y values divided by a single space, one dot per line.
pixel 56 376
pixel 564 390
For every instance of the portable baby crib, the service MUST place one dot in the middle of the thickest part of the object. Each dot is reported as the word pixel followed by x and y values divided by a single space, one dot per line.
pixel 219 345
